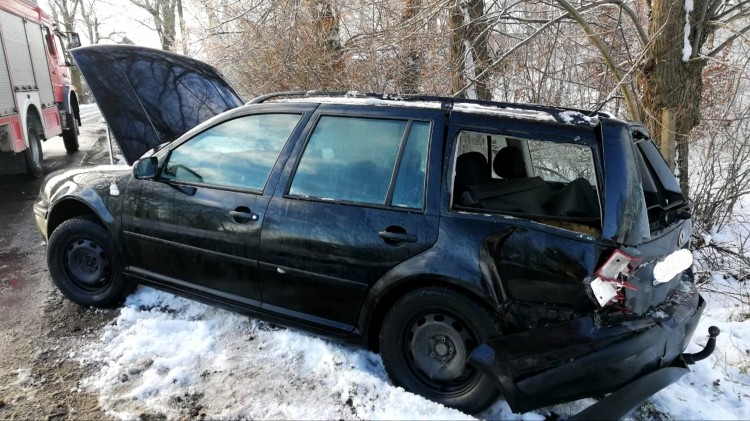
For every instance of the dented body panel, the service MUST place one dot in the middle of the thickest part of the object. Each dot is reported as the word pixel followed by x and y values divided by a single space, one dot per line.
pixel 591 354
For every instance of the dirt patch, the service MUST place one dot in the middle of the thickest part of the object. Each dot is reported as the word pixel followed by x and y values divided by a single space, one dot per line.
pixel 40 331
pixel 39 370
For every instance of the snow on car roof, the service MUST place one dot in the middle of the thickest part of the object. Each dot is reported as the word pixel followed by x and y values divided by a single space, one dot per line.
pixel 553 115
pixel 345 100
pixel 505 112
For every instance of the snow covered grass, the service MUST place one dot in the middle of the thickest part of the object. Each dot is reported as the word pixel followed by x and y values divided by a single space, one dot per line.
pixel 166 355
pixel 172 356
pixel 718 387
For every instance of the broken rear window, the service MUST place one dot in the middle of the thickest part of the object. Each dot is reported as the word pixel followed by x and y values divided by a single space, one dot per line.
pixel 543 180
pixel 660 188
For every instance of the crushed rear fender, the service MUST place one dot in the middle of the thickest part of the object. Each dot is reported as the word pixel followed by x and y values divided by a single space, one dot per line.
pixel 593 355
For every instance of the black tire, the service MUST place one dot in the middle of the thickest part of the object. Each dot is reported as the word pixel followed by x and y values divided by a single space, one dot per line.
pixel 34 156
pixel 85 264
pixel 70 136
pixel 433 330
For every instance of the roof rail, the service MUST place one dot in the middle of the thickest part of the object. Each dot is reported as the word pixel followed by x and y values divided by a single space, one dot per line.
pixel 555 112
pixel 351 94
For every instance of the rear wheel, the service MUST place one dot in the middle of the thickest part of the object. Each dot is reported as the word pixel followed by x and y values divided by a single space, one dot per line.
pixel 70 135
pixel 85 265
pixel 425 341
pixel 33 154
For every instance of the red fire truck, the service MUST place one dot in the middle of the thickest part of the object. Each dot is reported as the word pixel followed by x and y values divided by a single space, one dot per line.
pixel 37 100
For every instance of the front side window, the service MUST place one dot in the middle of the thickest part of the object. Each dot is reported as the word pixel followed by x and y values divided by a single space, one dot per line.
pixel 364 160
pixel 542 179
pixel 239 153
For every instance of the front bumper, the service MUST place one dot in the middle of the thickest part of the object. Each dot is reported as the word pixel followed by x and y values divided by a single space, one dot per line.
pixel 40 216
pixel 589 356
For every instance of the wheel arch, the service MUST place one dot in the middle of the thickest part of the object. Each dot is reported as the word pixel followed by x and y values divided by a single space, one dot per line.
pixel 373 314
pixel 69 208
pixel 32 118
pixel 73 106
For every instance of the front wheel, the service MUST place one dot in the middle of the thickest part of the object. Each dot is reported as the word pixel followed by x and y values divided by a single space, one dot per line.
pixel 425 341
pixel 85 265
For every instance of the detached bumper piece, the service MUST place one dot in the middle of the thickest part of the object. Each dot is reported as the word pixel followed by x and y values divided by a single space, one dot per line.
pixel 621 402
pixel 585 357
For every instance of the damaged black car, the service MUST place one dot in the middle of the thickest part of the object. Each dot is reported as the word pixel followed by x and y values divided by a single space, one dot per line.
pixel 484 249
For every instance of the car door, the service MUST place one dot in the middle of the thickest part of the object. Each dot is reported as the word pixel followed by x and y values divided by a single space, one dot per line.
pixel 353 206
pixel 198 225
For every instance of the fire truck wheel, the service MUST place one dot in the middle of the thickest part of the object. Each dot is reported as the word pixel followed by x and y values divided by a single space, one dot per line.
pixel 70 136
pixel 34 154
pixel 85 265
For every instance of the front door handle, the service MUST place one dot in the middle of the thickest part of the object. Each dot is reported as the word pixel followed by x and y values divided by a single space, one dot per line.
pixel 394 237
pixel 243 214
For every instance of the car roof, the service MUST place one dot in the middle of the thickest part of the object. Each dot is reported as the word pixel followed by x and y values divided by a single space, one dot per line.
pixel 490 108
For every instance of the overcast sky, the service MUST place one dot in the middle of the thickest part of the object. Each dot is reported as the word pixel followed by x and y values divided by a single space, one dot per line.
pixel 121 16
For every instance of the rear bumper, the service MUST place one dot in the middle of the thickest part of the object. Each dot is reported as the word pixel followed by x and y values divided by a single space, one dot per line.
pixel 586 357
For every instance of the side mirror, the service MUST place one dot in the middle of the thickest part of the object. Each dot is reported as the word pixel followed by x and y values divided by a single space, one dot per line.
pixel 74 40
pixel 145 169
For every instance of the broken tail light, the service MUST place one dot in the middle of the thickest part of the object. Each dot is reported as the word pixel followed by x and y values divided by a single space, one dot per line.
pixel 611 279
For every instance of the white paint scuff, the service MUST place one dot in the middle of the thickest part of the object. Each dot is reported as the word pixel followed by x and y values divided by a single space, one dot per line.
pixel 673 264
pixel 113 190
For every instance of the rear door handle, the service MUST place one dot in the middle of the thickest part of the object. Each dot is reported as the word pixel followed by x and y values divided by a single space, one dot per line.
pixel 397 237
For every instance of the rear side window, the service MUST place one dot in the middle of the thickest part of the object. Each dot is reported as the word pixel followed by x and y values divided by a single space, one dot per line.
pixel 544 180
pixel 365 160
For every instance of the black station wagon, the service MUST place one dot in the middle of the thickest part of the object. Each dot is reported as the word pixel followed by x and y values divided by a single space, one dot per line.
pixel 483 249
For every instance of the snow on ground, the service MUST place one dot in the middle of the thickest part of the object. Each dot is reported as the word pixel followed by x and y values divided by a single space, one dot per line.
pixel 718 387
pixel 165 354
pixel 172 356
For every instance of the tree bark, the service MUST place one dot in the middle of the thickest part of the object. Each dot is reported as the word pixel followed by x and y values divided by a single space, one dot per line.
pixel 64 12
pixel 327 41
pixel 469 53
pixel 671 84
pixel 408 81
pixel 165 22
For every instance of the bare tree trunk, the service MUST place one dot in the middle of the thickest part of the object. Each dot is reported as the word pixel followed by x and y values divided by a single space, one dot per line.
pixel 165 22
pixel 408 81
pixel 672 82
pixel 183 28
pixel 469 50
pixel 327 41
pixel 64 12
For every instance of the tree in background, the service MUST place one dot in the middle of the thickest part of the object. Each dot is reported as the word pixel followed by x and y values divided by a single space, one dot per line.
pixel 681 44
pixel 166 14
pixel 64 13
pixel 469 53
pixel 411 52
pixel 89 13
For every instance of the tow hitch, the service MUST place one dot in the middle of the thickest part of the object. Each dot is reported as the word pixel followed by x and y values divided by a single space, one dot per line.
pixel 713 332
pixel 620 403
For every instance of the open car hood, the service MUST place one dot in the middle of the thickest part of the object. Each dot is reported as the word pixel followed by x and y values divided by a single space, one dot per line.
pixel 149 96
